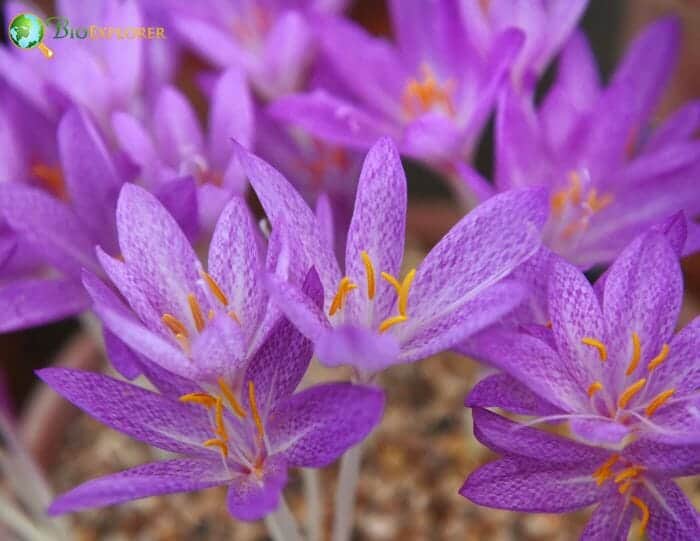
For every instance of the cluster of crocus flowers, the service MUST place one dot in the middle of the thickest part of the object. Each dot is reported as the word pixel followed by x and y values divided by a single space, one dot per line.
pixel 611 367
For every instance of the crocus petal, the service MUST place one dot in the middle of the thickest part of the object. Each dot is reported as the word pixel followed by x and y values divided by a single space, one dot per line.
pixel 507 437
pixel 332 118
pixel 599 431
pixel 251 498
pixel 610 521
pixel 671 514
pixel 176 128
pixel 120 320
pixel 153 479
pixel 231 116
pixel 90 174
pixel 525 484
pixel 432 137
pixel 456 326
pixel 680 126
pixel 534 363
pixel 134 139
pixel 284 205
pixel 219 47
pixel 235 264
pixel 180 198
pixel 484 247
pixel 51 227
pixel 576 315
pixel 680 370
pixel 357 346
pixel 157 253
pixel 123 359
pixel 28 302
pixel 643 294
pixel 280 363
pixel 316 426
pixel 159 421
pixel 218 350
pixel 666 460
pixel 504 391
pixel 378 228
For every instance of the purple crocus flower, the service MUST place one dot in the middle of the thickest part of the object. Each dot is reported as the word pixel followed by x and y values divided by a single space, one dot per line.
pixel 543 473
pixel 546 25
pixel 171 142
pixel 245 439
pixel 432 92
pixel 271 40
pixel 609 174
pixel 372 317
pixel 195 323
pixel 611 364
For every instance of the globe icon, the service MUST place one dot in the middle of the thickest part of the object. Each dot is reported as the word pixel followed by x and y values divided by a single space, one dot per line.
pixel 27 31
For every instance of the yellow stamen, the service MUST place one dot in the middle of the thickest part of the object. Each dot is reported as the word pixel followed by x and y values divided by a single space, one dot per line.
pixel 421 96
pixel 369 271
pixel 234 317
pixel 658 401
pixel 624 487
pixel 403 293
pixel 594 388
pixel 196 312
pixel 596 203
pixel 174 324
pixel 214 288
pixel 183 341
pixel 346 286
pixel 628 393
pixel 219 419
pixel 390 322
pixel 210 314
pixel 217 443
pixel 230 398
pixel 254 411
pixel 603 473
pixel 602 350
pixel 628 473
pixel 203 399
pixel 636 354
pixel 559 201
pixel 575 190
pixel 661 357
pixel 393 281
pixel 645 512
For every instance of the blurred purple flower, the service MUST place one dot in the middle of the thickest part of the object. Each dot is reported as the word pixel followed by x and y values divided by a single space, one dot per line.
pixel 611 364
pixel 432 92
pixel 271 40
pixel 610 176
pixel 546 25
pixel 372 319
pixel 196 324
pixel 543 473
pixel 170 143
pixel 244 438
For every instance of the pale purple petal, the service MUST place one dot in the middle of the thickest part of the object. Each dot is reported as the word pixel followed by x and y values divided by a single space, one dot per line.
pixel 665 460
pixel 180 197
pixel 251 497
pixel 357 346
pixel 599 431
pixel 176 129
pixel 152 479
pixel 122 357
pixel 671 514
pixel 231 116
pixel 610 521
pixel 378 227
pixel 504 391
pixel 316 426
pixel 681 369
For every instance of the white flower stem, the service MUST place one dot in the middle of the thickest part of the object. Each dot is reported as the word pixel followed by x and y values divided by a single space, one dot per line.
pixel 346 492
pixel 314 503
pixel 282 525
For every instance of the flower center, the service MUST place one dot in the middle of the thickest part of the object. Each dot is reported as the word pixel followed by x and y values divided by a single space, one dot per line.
pixel 425 94
pixel 624 478
pixel 346 286
pixel 179 329
pixel 634 388
pixel 324 160
pixel 50 179
pixel 573 207
pixel 215 403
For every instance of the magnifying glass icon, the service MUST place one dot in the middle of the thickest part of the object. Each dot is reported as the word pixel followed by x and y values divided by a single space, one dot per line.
pixel 26 31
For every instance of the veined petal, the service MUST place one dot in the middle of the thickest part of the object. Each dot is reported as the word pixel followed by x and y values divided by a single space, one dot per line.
pixel 161 422
pixel 504 391
pixel 378 227
pixel 664 459
pixel 671 514
pixel 610 521
pixel 358 346
pixel 599 431
pixel 152 479
pixel 680 370
pixel 251 498
pixel 316 426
